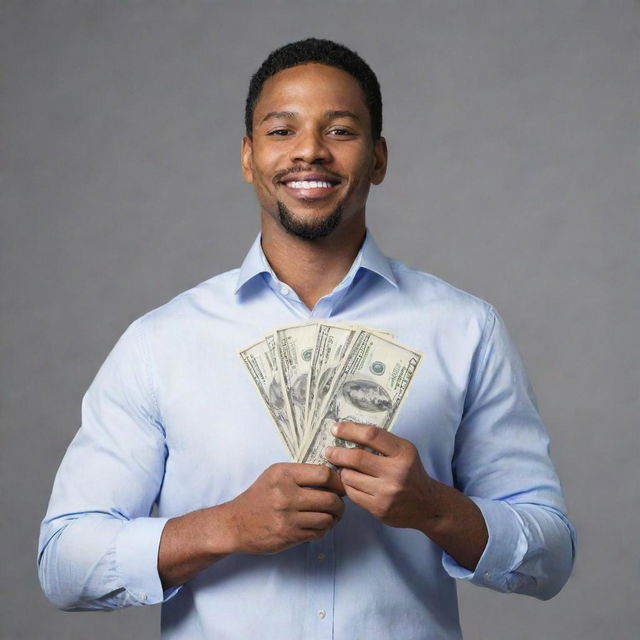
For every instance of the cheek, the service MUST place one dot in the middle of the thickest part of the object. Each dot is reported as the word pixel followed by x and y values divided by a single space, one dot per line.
pixel 365 168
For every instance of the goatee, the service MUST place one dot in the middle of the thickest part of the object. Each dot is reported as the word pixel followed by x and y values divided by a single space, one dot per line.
pixel 309 230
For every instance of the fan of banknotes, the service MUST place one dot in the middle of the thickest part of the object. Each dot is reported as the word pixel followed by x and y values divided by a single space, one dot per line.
pixel 312 375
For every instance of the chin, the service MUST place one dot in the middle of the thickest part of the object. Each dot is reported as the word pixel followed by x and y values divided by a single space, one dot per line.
pixel 309 229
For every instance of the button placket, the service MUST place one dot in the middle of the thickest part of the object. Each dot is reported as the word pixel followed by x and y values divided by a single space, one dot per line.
pixel 321 576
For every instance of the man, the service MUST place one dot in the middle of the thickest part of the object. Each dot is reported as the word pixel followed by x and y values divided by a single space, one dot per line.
pixel 246 544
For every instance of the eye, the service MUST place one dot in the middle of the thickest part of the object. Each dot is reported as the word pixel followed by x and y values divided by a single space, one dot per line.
pixel 341 132
pixel 279 132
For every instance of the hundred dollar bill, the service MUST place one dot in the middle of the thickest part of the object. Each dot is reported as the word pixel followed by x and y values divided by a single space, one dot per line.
pixel 369 389
pixel 262 364
pixel 332 344
pixel 295 346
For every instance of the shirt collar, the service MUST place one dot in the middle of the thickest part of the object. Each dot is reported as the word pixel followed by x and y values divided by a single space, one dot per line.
pixel 369 257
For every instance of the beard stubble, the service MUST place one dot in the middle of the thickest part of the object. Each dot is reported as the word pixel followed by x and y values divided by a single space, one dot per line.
pixel 309 230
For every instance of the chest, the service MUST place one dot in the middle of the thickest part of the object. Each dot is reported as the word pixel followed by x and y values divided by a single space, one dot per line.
pixel 220 436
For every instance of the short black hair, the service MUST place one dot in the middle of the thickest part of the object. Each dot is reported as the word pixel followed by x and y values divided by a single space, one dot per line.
pixel 323 52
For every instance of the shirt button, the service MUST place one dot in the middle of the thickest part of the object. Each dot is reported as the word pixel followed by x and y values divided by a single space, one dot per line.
pixel 487 574
pixel 143 596
pixel 322 614
pixel 284 290
pixel 321 556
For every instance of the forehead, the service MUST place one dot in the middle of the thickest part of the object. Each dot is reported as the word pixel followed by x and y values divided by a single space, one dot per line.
pixel 309 87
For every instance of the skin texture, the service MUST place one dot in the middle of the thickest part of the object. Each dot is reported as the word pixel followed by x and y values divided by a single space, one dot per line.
pixel 395 488
pixel 286 505
pixel 311 123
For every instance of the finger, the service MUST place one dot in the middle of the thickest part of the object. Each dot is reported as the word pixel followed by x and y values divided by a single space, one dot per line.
pixel 361 498
pixel 356 458
pixel 368 436
pixel 315 521
pixel 319 501
pixel 360 482
pixel 316 475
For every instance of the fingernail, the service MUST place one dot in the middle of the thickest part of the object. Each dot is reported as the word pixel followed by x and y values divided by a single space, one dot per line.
pixel 328 451
pixel 334 429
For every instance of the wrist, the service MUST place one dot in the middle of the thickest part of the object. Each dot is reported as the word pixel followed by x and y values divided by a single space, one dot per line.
pixel 221 530
pixel 456 524
pixel 191 543
pixel 437 509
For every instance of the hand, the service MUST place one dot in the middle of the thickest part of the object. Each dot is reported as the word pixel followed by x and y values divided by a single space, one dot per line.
pixel 393 486
pixel 288 504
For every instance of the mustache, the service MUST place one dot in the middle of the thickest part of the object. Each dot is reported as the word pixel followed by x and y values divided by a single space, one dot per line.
pixel 330 175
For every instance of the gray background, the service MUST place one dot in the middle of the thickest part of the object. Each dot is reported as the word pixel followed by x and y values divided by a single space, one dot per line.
pixel 513 138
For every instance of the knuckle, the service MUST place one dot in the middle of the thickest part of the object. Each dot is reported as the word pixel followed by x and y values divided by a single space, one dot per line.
pixel 409 450
pixel 337 505
pixel 280 504
pixel 394 488
pixel 347 476
pixel 325 520
pixel 378 510
pixel 280 500
pixel 276 471
pixel 385 508
pixel 359 456
pixel 326 501
pixel 371 433
pixel 306 536
pixel 401 475
pixel 325 474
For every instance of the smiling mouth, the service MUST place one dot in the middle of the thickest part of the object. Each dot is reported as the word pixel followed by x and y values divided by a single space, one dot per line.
pixel 314 188
pixel 309 184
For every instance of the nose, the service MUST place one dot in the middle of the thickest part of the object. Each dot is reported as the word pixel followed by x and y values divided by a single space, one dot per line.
pixel 310 147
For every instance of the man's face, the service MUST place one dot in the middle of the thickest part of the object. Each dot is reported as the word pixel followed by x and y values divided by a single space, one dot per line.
pixel 311 158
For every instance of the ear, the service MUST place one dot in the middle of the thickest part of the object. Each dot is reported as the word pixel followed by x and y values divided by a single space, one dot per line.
pixel 246 159
pixel 379 168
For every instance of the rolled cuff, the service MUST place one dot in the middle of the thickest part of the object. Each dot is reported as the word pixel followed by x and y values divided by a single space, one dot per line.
pixel 137 547
pixel 504 552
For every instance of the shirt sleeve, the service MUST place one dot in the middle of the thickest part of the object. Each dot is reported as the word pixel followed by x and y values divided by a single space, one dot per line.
pixel 98 542
pixel 502 463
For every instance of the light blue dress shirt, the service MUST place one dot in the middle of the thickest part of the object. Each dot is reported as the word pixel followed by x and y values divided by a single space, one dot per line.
pixel 173 419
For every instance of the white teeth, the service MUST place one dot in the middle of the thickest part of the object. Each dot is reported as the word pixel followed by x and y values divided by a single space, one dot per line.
pixel 309 184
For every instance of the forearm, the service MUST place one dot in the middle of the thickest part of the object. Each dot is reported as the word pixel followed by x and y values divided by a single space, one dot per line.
pixel 395 488
pixel 286 505
pixel 454 522
pixel 191 543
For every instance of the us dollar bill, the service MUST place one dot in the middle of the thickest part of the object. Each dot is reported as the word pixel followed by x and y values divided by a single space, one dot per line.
pixel 332 344
pixel 296 345
pixel 261 361
pixel 369 388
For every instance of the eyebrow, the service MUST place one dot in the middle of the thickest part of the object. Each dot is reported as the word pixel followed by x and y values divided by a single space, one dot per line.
pixel 279 114
pixel 290 115
pixel 343 113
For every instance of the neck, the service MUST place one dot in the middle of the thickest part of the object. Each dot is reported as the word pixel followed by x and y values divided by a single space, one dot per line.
pixel 312 268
